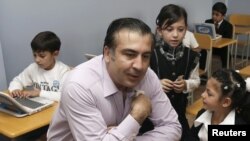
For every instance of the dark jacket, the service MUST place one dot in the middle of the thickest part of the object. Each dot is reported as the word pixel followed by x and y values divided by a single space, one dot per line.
pixel 225 28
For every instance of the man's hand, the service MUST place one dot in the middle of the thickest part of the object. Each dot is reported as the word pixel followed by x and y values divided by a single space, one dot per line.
pixel 141 107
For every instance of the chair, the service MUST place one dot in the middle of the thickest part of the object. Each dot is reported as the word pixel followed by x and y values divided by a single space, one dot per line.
pixel 242 27
pixel 89 56
pixel 240 19
pixel 194 108
pixel 205 42
pixel 245 72
pixel 233 50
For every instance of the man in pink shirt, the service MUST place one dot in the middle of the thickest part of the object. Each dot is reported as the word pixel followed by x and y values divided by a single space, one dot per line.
pixel 109 97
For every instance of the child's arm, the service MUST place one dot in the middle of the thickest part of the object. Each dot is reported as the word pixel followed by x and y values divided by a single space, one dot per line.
pixel 194 80
pixel 22 80
pixel 167 85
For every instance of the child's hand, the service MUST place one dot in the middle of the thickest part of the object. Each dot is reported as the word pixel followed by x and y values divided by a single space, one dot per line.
pixel 179 84
pixel 31 93
pixel 167 85
pixel 16 93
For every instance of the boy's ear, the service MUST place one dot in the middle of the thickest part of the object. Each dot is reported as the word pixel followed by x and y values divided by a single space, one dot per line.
pixel 227 102
pixel 56 53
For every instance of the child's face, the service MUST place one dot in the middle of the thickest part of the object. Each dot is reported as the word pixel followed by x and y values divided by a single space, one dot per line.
pixel 217 16
pixel 45 59
pixel 173 34
pixel 212 95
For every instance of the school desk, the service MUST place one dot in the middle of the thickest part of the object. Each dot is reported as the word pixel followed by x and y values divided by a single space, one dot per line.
pixel 194 108
pixel 13 127
pixel 223 42
pixel 245 72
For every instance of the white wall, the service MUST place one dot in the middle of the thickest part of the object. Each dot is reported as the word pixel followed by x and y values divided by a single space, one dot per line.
pixel 3 83
pixel 81 24
pixel 239 6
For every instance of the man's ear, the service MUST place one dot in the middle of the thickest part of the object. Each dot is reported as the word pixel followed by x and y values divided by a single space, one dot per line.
pixel 227 102
pixel 106 54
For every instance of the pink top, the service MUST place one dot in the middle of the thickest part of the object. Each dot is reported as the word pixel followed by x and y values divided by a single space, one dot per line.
pixel 91 103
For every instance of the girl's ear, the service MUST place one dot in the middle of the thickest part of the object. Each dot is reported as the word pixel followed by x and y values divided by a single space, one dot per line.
pixel 227 102
pixel 158 30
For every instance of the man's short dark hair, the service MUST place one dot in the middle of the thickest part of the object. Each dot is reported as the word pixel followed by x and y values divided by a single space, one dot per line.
pixel 131 24
pixel 220 7
pixel 46 41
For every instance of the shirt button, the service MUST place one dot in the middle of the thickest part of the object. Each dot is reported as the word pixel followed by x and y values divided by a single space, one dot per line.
pixel 173 63
pixel 173 74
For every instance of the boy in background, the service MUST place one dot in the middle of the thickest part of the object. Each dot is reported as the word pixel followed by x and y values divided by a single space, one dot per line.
pixel 45 75
pixel 224 28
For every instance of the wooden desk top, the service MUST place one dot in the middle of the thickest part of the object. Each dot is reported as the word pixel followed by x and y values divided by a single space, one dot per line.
pixel 245 72
pixel 13 127
pixel 242 30
pixel 222 42
pixel 194 108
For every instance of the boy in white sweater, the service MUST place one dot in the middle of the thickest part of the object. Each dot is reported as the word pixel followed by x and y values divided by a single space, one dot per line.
pixel 46 74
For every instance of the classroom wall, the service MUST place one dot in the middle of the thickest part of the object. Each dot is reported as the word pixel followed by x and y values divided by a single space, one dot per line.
pixel 239 6
pixel 81 25
pixel 3 83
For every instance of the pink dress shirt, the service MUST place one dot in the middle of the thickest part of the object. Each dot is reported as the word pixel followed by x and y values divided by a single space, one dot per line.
pixel 91 103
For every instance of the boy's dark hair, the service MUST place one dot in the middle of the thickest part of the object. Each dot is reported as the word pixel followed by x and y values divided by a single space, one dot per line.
pixel 46 41
pixel 130 24
pixel 220 7
pixel 170 14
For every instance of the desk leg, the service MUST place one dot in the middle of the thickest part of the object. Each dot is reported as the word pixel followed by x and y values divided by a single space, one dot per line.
pixel 228 55
pixel 248 36
pixel 232 53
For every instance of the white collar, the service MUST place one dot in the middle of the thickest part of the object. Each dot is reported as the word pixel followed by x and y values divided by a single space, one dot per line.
pixel 230 119
pixel 219 23
pixel 205 119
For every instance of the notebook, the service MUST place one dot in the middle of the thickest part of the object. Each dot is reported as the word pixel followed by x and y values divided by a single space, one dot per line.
pixel 89 56
pixel 206 28
pixel 20 107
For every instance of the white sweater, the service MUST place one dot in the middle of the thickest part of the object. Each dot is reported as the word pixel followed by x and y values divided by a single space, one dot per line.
pixel 48 81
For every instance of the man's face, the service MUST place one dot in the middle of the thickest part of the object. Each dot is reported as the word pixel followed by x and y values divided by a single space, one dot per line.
pixel 217 16
pixel 129 61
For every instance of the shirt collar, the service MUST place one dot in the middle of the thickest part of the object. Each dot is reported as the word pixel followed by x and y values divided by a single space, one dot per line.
pixel 205 118
pixel 108 85
pixel 220 23
pixel 230 119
